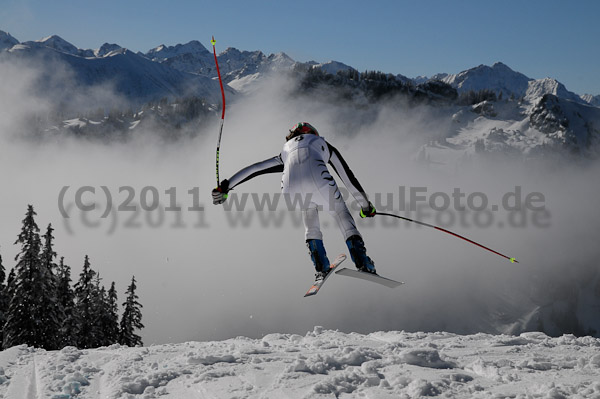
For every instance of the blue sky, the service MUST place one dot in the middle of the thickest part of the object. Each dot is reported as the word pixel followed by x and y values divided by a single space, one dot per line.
pixel 559 39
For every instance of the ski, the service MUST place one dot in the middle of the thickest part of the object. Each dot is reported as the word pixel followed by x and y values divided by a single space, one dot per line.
pixel 376 278
pixel 314 289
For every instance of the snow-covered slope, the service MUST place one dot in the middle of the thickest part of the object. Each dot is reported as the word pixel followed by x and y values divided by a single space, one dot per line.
pixel 567 122
pixel 320 364
pixel 591 99
pixel 6 40
pixel 549 124
pixel 540 87
pixel 244 70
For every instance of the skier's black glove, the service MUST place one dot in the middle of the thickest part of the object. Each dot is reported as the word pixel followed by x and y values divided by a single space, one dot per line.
pixel 368 212
pixel 219 194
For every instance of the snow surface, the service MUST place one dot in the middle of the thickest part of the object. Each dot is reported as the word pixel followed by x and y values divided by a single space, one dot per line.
pixel 321 364
pixel 247 83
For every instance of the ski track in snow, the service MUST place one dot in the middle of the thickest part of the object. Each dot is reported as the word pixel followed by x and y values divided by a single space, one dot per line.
pixel 321 364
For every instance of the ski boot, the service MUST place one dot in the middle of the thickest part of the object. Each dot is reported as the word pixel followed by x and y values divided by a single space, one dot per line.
pixel 358 253
pixel 319 258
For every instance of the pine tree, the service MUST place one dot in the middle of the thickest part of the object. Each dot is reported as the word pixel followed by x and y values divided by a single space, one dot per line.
pixel 66 299
pixel 4 298
pixel 10 284
pixel 53 315
pixel 24 317
pixel 108 318
pixel 2 273
pixel 111 322
pixel 131 319
pixel 85 296
pixel 99 310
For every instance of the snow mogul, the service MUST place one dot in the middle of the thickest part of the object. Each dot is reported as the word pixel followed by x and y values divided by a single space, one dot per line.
pixel 303 162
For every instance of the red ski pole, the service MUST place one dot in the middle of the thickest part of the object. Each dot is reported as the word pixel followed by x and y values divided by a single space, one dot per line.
pixel 512 260
pixel 213 42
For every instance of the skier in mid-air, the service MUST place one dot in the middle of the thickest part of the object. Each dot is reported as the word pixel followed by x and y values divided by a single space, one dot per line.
pixel 303 164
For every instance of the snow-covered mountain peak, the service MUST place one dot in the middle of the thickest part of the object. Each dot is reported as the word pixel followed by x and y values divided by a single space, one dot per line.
pixel 105 49
pixel 164 52
pixel 4 34
pixel 333 67
pixel 6 40
pixel 280 60
pixel 500 66
pixel 499 78
pixel 540 87
pixel 59 44
pixel 281 56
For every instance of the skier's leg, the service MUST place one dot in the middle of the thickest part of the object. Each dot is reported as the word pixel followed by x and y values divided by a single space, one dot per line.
pixel 314 238
pixel 339 211
pixel 344 219
pixel 316 249
pixel 359 256
pixel 310 216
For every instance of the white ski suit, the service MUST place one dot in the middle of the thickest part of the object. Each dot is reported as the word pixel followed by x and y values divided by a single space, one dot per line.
pixel 303 162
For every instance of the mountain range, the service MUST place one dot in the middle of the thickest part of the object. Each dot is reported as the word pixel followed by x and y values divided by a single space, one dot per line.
pixel 193 58
pixel 526 115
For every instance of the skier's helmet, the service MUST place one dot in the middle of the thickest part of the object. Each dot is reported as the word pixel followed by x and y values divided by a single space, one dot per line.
pixel 301 128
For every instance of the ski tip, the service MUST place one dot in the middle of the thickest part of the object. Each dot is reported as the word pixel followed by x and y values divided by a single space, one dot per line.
pixel 312 291
pixel 513 260
pixel 213 41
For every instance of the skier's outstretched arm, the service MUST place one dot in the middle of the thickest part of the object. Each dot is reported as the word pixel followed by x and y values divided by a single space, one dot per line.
pixel 271 165
pixel 350 181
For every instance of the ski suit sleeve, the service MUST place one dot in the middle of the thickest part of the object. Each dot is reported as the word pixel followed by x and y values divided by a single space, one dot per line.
pixel 343 171
pixel 271 165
